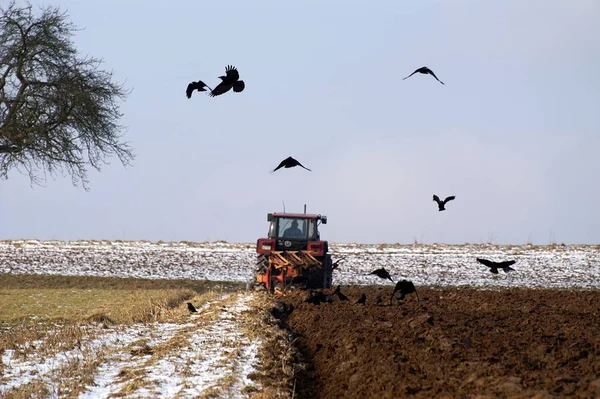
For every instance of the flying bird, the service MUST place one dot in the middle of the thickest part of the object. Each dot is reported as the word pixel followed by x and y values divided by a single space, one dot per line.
pixel 199 85
pixel 339 294
pixel 289 162
pixel 405 287
pixel 191 308
pixel 362 300
pixel 335 264
pixel 229 81
pixel 442 203
pixel 494 266
pixel 382 273
pixel 424 70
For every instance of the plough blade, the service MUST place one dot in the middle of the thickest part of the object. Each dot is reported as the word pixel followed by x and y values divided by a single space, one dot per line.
pixel 293 259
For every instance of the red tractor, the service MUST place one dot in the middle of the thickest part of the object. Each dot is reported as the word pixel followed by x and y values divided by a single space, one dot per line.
pixel 293 254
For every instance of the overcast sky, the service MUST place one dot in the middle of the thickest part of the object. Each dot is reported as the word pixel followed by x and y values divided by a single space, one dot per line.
pixel 514 133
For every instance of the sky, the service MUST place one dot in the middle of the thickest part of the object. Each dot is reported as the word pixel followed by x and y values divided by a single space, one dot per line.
pixel 514 133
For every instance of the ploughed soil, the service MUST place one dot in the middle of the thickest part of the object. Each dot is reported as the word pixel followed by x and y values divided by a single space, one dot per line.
pixel 454 343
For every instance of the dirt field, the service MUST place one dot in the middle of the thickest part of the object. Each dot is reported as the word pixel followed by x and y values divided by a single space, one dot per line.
pixel 454 343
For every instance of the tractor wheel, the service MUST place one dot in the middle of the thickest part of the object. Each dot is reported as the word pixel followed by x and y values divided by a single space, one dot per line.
pixel 262 262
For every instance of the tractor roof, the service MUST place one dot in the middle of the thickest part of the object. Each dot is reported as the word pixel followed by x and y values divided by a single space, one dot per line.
pixel 296 215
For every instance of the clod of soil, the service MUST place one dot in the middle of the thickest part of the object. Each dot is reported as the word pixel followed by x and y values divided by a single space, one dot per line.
pixel 511 343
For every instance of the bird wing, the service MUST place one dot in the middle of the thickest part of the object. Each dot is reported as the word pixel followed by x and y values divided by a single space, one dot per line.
pixel 299 164
pixel 221 88
pixel 436 199
pixel 433 74
pixel 486 262
pixel 190 89
pixel 281 165
pixel 239 86
pixel 506 263
pixel 232 73
pixel 202 85
pixel 450 198
pixel 417 70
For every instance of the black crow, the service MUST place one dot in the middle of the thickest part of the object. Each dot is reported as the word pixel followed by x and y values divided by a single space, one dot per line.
pixel 362 300
pixel 191 308
pixel 199 85
pixel 382 273
pixel 229 81
pixel 494 266
pixel 405 287
pixel 378 299
pixel 424 70
pixel 339 294
pixel 442 203
pixel 316 297
pixel 289 162
pixel 335 264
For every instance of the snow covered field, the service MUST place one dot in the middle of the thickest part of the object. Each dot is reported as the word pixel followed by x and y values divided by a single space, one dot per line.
pixel 553 266
pixel 210 354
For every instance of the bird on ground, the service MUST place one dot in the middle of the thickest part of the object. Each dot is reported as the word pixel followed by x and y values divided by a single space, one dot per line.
pixel 231 80
pixel 191 308
pixel 494 266
pixel 289 162
pixel 199 85
pixel 440 203
pixel 378 299
pixel 316 297
pixel 339 294
pixel 424 70
pixel 362 300
pixel 382 273
pixel 405 287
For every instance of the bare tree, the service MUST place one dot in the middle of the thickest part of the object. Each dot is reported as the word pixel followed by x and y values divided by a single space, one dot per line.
pixel 58 111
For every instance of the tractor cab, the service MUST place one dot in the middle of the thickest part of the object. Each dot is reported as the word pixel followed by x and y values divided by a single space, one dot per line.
pixel 294 231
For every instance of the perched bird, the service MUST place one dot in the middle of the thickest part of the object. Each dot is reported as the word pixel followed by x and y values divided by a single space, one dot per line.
pixel 424 70
pixel 289 162
pixel 442 203
pixel 494 266
pixel 382 273
pixel 362 300
pixel 405 287
pixel 339 294
pixel 229 81
pixel 199 85
pixel 191 308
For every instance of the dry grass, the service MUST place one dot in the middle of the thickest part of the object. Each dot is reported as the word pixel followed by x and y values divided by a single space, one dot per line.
pixel 83 299
pixel 279 359
pixel 41 316
pixel 66 312
pixel 32 390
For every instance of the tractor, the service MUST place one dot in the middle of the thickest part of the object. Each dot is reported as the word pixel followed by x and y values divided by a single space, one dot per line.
pixel 293 254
